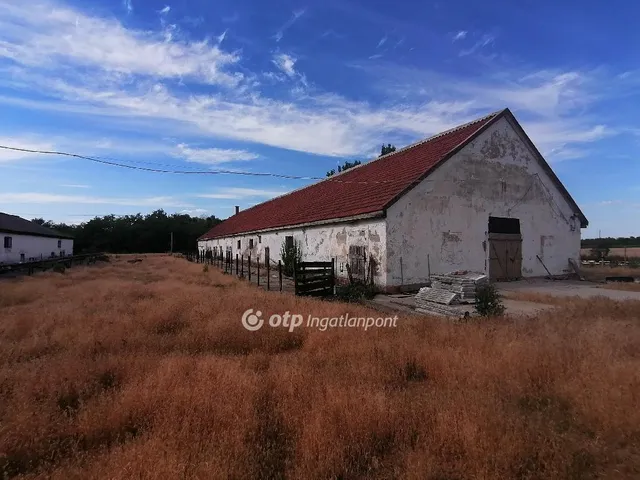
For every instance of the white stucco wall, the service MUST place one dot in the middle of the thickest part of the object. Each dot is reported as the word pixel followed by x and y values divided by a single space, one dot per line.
pixel 445 218
pixel 32 246
pixel 319 243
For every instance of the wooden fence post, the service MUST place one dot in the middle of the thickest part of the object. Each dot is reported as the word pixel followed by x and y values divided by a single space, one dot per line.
pixel 295 277
pixel 249 267
pixel 268 275
pixel 236 264
pixel 333 274
pixel 258 263
pixel 280 273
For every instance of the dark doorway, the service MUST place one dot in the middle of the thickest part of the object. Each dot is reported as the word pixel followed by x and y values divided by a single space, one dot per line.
pixel 288 242
pixel 505 249
pixel 504 225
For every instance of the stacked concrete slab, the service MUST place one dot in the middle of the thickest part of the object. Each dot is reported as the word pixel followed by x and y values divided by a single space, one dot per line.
pixel 448 291
pixel 464 283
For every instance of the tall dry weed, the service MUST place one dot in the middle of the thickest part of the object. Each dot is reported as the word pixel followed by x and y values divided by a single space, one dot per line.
pixel 144 371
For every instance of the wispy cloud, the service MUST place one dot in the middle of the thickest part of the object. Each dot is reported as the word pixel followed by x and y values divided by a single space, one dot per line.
pixel 165 10
pixel 237 193
pixel 128 6
pixel 462 34
pixel 194 211
pixel 25 143
pixel 285 63
pixel 73 185
pixel 294 18
pixel 213 156
pixel 122 75
pixel 68 39
pixel 221 37
pixel 484 41
pixel 382 41
pixel 332 33
pixel 47 198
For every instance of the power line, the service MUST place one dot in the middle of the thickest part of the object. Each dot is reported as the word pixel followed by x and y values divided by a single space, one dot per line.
pixel 179 172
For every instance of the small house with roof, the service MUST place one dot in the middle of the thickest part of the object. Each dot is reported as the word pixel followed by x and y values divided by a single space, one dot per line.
pixel 22 241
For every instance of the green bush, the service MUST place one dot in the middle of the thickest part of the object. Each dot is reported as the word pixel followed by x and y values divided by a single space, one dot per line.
pixel 489 301
pixel 355 292
pixel 290 256
pixel 59 268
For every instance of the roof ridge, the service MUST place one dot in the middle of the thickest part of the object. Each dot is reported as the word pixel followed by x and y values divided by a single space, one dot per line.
pixel 412 145
pixel 374 160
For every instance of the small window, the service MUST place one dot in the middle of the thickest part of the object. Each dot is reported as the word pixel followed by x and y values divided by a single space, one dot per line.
pixel 8 242
pixel 22 257
pixel 59 243
pixel 251 243
pixel 259 238
pixel 238 244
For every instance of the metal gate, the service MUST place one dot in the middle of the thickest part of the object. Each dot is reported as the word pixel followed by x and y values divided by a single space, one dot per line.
pixel 505 256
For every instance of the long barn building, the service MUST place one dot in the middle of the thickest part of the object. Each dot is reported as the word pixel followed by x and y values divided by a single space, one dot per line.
pixel 478 197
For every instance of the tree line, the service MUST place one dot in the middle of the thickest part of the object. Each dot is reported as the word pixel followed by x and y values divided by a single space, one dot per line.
pixel 149 233
pixel 611 242
pixel 137 233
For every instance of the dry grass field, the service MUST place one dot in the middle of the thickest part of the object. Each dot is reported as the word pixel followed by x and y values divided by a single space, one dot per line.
pixel 143 371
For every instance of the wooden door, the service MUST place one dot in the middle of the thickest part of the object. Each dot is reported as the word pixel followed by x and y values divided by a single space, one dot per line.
pixel 505 256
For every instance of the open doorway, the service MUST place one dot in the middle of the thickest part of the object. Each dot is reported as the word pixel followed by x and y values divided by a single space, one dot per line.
pixel 505 249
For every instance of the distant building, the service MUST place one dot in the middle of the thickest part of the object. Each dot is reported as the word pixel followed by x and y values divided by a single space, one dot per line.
pixel 22 241
pixel 478 197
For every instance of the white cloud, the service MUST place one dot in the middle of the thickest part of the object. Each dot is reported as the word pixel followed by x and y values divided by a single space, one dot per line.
pixel 25 143
pixel 213 156
pixel 294 18
pixel 221 37
pixel 48 198
pixel 285 63
pixel 165 10
pixel 460 35
pixel 127 5
pixel 241 193
pixel 484 41
pixel 382 41
pixel 45 36
pixel 125 76
pixel 194 211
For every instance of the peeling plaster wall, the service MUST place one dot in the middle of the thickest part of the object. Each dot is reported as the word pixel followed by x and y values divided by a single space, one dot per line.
pixel 446 216
pixel 319 243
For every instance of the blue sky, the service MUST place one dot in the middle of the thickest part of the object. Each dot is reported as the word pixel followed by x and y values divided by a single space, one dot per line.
pixel 298 87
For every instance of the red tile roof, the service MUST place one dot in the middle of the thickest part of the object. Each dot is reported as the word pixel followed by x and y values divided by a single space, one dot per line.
pixel 366 189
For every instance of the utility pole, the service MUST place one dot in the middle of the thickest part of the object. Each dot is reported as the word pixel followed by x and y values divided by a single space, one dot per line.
pixel 171 248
